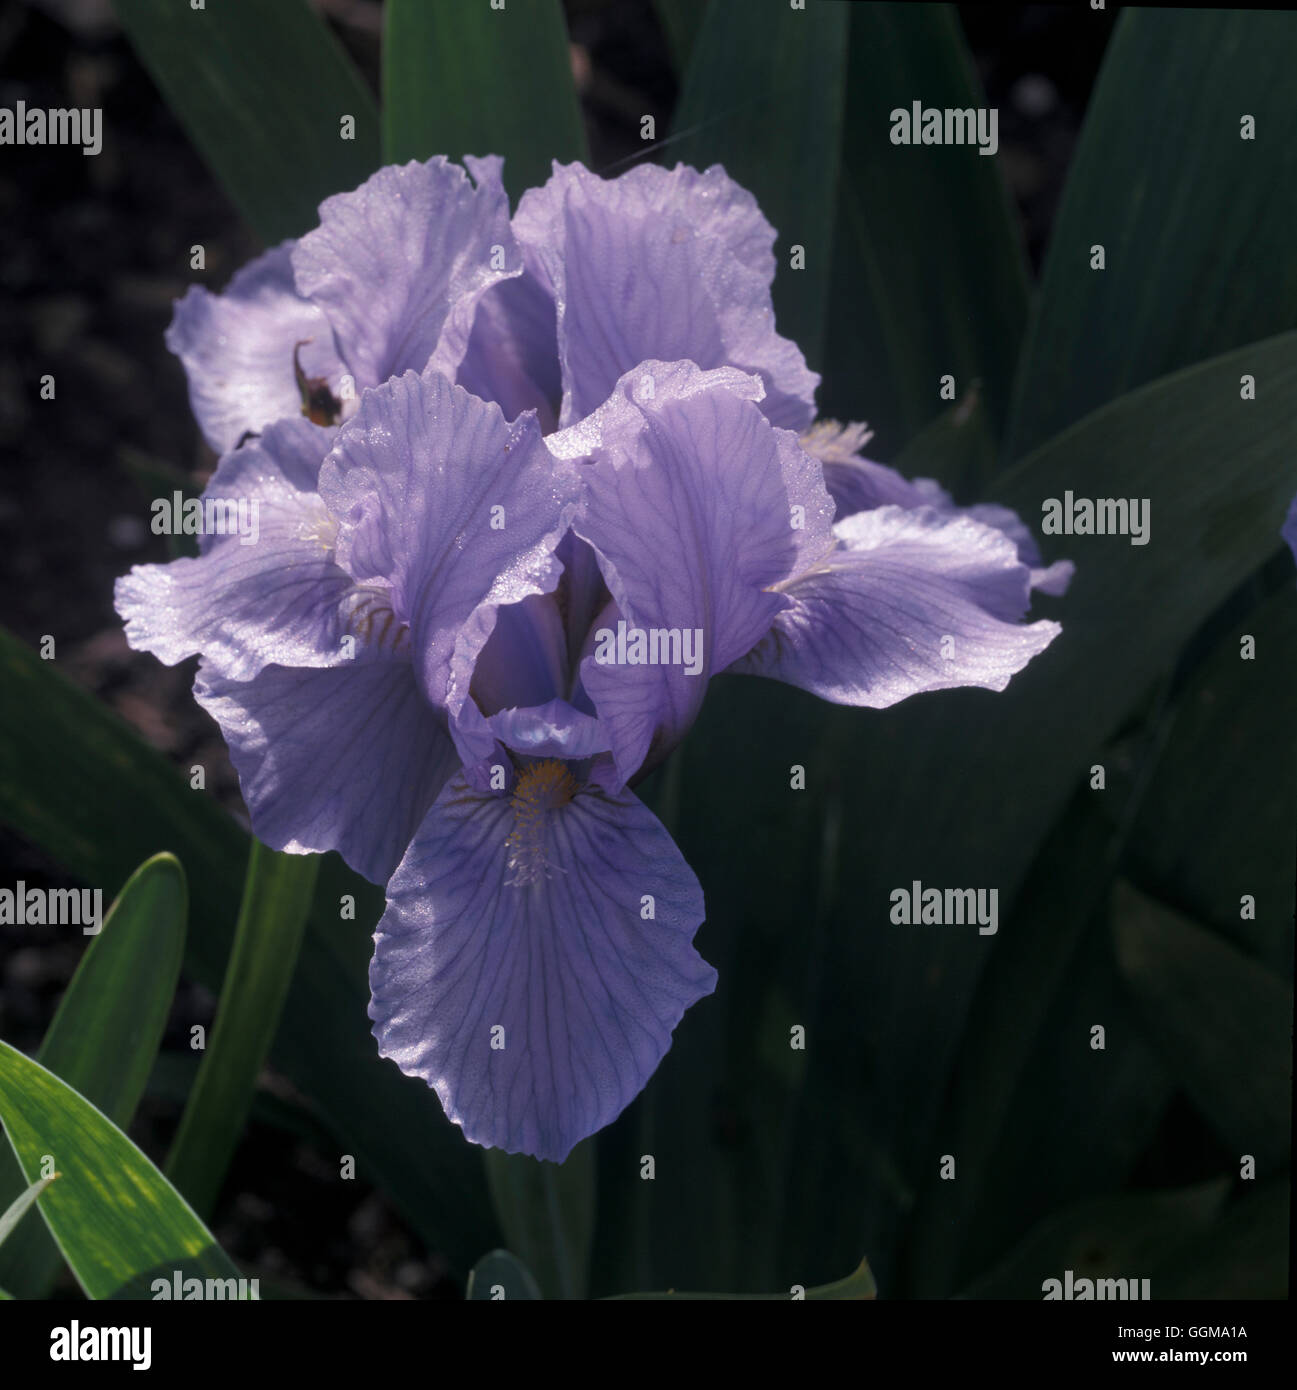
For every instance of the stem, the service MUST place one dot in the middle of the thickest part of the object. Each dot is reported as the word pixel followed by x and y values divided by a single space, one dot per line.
pixel 277 896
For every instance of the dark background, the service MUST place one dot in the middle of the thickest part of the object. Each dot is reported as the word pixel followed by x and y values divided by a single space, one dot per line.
pixel 92 253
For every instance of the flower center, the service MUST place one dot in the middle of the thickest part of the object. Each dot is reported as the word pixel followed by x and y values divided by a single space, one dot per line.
pixel 541 787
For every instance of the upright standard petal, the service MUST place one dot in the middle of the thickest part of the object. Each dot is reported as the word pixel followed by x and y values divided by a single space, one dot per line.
pixel 908 601
pixel 696 508
pixel 660 264
pixel 400 263
pixel 512 352
pixel 238 349
pixel 271 593
pixel 535 956
pixel 348 759
pixel 452 511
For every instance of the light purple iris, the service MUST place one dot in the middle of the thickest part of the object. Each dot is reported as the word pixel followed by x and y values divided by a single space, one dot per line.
pixel 545 447
pixel 1289 530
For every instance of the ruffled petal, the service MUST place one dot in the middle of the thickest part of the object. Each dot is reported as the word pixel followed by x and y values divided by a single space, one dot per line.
pixel 349 759
pixel 515 969
pixel 450 509
pixel 659 264
pixel 696 507
pixel 1049 579
pixel 281 599
pixel 858 484
pixel 400 263
pixel 911 600
pixel 237 348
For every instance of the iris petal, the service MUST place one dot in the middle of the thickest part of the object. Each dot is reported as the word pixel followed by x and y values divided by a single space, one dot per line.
pixel 910 601
pixel 281 599
pixel 576 988
pixel 453 510
pixel 512 353
pixel 659 264
pixel 399 264
pixel 858 484
pixel 347 759
pixel 690 505
pixel 237 348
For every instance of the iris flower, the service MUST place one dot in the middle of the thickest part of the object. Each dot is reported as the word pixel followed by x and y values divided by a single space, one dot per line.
pixel 480 447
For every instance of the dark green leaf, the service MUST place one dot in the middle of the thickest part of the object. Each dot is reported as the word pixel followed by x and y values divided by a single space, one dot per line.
pixel 1095 1110
pixel 681 19
pixel 105 1036
pixel 957 449
pixel 118 1221
pixel 1242 1254
pixel 470 79
pixel 1112 1238
pixel 1196 223
pixel 263 90
pixel 1215 798
pixel 928 273
pixel 1027 1041
pixel 763 95
pixel 1222 1023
